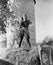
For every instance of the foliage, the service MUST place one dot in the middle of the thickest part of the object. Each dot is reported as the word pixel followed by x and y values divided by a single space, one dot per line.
pixel 48 40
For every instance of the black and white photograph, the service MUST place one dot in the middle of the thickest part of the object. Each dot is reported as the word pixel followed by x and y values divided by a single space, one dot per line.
pixel 26 33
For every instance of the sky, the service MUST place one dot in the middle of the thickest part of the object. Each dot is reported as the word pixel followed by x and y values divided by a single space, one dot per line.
pixel 44 19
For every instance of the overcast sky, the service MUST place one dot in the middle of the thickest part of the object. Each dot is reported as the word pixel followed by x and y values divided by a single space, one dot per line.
pixel 44 19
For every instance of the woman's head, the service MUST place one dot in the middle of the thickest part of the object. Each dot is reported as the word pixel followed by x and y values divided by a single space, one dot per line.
pixel 24 16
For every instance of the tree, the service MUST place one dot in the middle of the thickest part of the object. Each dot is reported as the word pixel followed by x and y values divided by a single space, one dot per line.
pixel 3 13
pixel 48 41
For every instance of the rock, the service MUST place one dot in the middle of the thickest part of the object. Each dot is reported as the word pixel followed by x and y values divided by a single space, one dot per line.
pixel 22 56
pixel 3 62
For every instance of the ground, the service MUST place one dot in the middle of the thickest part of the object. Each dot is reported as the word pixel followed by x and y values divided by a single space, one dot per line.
pixel 16 55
